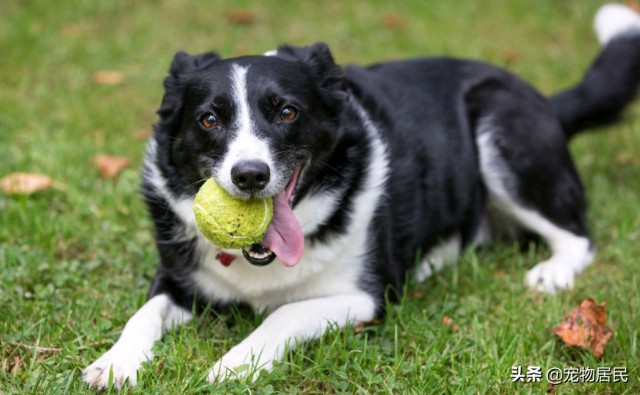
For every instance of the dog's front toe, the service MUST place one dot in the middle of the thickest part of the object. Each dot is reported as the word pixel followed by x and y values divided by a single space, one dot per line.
pixel 111 369
pixel 551 277
pixel 238 365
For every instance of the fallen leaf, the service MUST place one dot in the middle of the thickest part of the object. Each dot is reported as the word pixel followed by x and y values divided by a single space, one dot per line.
pixel 448 321
pixel 416 294
pixel 14 365
pixel 634 5
pixel 360 327
pixel 511 57
pixel 71 31
pixel 241 17
pixel 240 52
pixel 142 134
pixel 551 388
pixel 110 166
pixel 585 327
pixel 25 183
pixel 105 77
pixel 160 367
pixel 499 273
pixel 392 20
pixel 625 159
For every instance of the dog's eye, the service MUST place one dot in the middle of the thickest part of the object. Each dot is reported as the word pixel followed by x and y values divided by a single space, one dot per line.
pixel 209 121
pixel 288 114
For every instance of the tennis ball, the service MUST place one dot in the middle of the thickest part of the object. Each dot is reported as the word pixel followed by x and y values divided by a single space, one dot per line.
pixel 229 222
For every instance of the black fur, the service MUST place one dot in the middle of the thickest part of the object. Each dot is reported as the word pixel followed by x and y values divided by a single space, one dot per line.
pixel 609 84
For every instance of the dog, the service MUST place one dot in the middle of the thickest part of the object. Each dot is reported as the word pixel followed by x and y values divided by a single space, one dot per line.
pixel 367 167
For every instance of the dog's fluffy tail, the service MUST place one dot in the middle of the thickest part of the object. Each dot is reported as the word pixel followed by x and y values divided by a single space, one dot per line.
pixel 611 82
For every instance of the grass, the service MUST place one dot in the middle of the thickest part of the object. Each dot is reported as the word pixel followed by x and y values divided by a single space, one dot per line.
pixel 75 262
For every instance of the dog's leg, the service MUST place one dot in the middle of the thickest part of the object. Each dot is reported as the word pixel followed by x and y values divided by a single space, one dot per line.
pixel 133 348
pixel 287 325
pixel 558 195
pixel 443 254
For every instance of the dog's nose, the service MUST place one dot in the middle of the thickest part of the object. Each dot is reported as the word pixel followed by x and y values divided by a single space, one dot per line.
pixel 250 175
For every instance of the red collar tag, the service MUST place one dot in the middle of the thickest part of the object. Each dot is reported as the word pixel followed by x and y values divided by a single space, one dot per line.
pixel 225 258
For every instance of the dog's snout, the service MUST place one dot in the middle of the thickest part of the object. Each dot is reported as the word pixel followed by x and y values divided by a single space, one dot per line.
pixel 250 175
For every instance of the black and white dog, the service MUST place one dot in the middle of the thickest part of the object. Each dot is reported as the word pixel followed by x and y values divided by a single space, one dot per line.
pixel 367 167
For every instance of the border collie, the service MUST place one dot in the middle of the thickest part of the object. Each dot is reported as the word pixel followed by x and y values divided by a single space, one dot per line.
pixel 367 167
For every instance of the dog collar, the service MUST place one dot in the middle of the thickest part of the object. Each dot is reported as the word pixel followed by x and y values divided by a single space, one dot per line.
pixel 225 258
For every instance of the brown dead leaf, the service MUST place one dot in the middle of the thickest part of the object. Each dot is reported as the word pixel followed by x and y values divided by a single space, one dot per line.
pixel 499 273
pixel 633 4
pixel 110 166
pixel 392 20
pixel 551 388
pixel 25 183
pixel 511 57
pixel 448 321
pixel 241 17
pixel 14 365
pixel 625 159
pixel 71 31
pixel 415 294
pixel 240 52
pixel 106 77
pixel 360 327
pixel 585 327
pixel 142 134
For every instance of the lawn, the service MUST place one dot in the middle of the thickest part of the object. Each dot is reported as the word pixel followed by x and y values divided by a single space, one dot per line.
pixel 76 259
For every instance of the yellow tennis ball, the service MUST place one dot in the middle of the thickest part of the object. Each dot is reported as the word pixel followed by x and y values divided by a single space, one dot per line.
pixel 229 222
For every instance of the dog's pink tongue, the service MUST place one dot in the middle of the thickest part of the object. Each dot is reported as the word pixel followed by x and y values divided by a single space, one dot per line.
pixel 284 236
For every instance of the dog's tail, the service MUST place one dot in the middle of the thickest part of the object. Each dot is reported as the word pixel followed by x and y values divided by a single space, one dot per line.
pixel 611 82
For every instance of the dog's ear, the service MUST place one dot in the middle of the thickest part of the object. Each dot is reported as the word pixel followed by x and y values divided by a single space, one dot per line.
pixel 320 61
pixel 182 65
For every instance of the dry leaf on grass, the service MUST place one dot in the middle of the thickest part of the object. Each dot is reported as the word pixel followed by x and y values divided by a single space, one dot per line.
pixel 110 166
pixel 241 17
pixel 511 57
pixel 25 183
pixel 14 365
pixel 392 20
pixel 625 159
pixel 585 327
pixel 71 31
pixel 634 5
pixel 448 321
pixel 142 134
pixel 360 327
pixel 104 77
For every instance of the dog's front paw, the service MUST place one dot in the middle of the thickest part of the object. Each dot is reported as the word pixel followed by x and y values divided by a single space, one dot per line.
pixel 123 365
pixel 551 276
pixel 238 364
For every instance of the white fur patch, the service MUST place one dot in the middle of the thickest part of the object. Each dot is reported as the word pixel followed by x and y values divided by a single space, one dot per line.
pixel 246 145
pixel 273 52
pixel 288 325
pixel 443 254
pixel 613 20
pixel 183 208
pixel 571 253
pixel 315 210
pixel 134 346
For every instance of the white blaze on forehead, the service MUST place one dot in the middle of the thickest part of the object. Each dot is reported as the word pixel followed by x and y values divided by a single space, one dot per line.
pixel 246 145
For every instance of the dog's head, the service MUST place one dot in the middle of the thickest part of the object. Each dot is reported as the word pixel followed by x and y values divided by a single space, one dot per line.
pixel 253 123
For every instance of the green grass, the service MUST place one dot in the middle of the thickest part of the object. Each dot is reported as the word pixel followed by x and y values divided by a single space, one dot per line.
pixel 75 262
